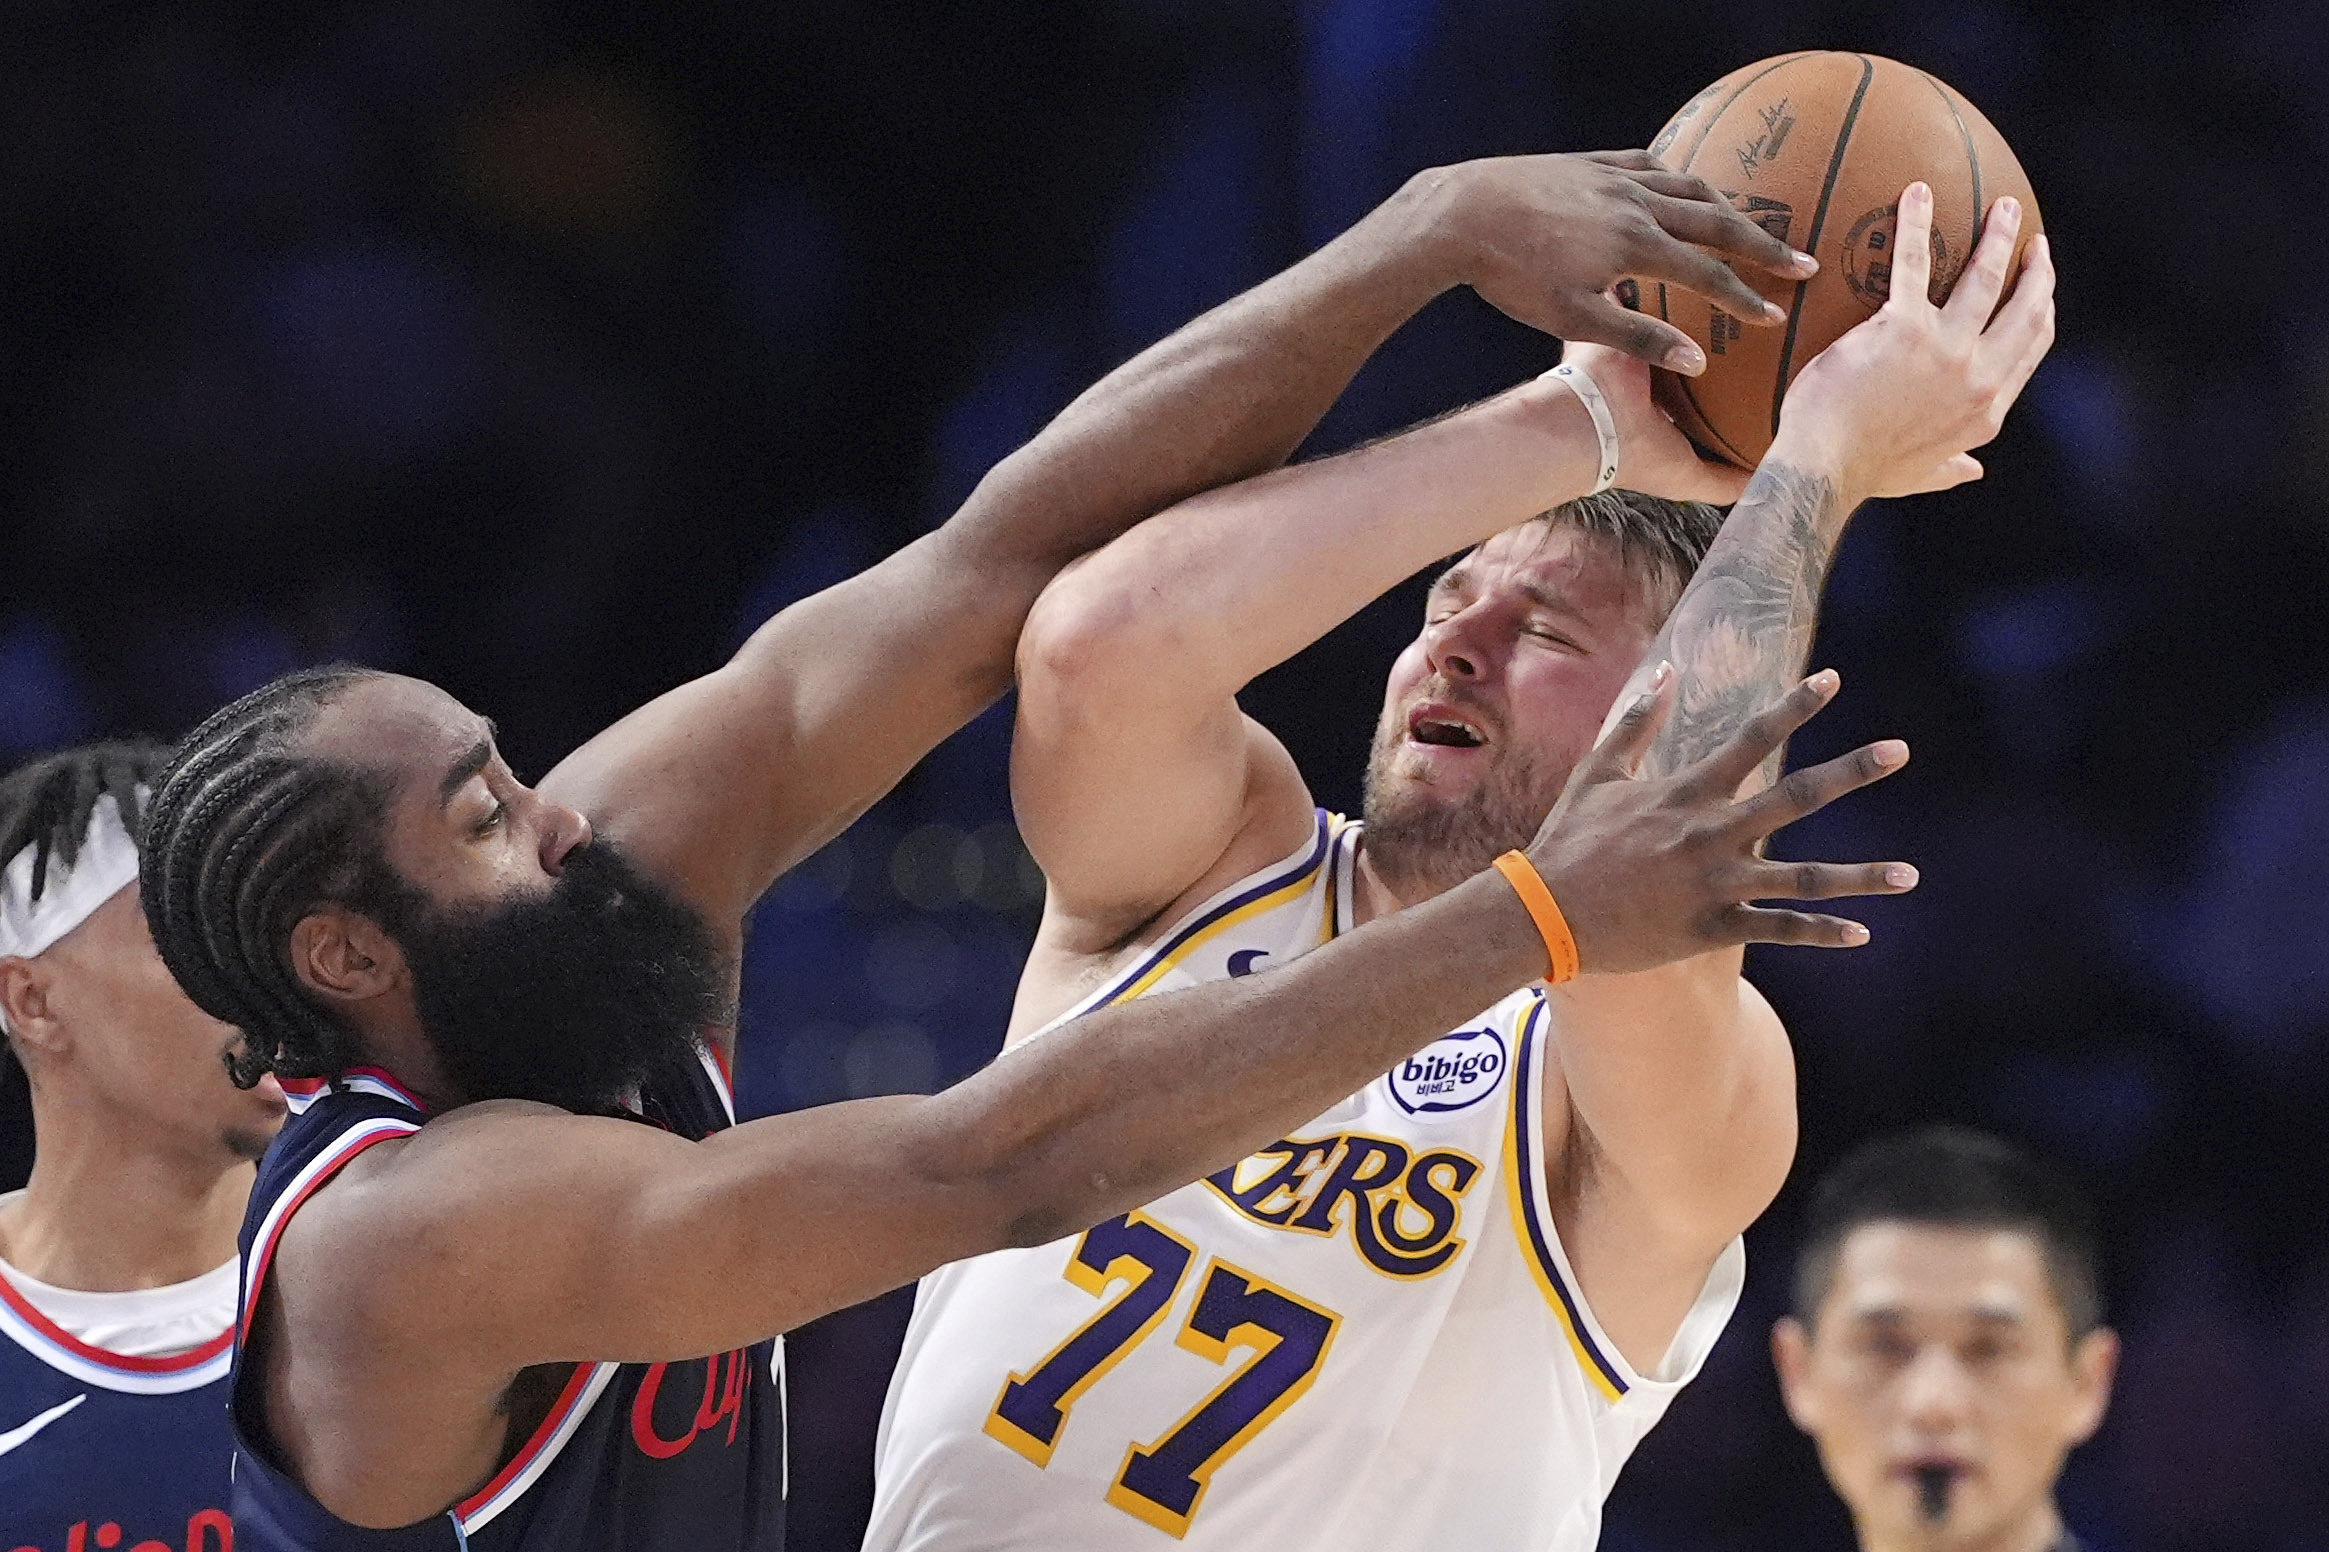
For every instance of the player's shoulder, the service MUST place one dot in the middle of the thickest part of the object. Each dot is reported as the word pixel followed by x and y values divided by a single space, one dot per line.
pixel 1071 959
pixel 1274 814
pixel 414 1243
pixel 380 1191
pixel 1754 1007
pixel 1753 1003
pixel 472 1153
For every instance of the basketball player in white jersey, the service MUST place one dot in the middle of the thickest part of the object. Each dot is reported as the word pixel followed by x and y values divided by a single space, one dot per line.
pixel 117 1260
pixel 1442 1313
pixel 470 1269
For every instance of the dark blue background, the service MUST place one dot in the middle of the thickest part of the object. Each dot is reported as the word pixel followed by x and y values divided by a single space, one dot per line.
pixel 542 350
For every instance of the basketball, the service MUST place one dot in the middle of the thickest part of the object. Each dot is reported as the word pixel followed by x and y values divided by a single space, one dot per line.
pixel 1816 147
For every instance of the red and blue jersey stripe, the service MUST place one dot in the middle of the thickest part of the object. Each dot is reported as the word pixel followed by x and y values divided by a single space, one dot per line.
pixel 663 1457
pixel 101 1449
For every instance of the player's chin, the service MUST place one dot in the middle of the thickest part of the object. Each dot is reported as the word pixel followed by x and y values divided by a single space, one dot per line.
pixel 1447 769
pixel 249 1137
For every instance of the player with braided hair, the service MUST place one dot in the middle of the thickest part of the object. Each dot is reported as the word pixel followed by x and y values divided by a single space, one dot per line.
pixel 236 781
pixel 479 1294
pixel 117 1277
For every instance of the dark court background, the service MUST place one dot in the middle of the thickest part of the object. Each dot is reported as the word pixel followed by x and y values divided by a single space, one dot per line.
pixel 543 350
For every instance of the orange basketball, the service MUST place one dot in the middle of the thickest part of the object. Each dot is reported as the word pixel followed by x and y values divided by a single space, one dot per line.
pixel 1816 147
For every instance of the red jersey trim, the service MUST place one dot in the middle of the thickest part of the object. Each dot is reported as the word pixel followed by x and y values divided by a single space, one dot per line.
pixel 303 1092
pixel 579 1392
pixel 49 1330
pixel 263 1253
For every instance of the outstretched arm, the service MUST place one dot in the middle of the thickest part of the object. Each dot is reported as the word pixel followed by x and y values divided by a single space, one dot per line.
pixel 723 783
pixel 614 1241
pixel 1678 1086
pixel 1135 777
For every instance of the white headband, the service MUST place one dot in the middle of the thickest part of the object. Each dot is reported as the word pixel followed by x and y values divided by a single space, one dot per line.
pixel 106 864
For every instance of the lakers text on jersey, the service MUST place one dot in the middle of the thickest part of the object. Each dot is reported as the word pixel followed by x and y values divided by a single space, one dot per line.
pixel 1365 1334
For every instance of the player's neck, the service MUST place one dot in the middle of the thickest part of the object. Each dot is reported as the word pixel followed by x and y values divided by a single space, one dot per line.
pixel 1381 891
pixel 107 1211
pixel 402 1050
pixel 1375 892
pixel 2038 1531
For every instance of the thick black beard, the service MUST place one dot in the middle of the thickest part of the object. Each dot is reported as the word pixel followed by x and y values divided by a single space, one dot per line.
pixel 1424 847
pixel 571 998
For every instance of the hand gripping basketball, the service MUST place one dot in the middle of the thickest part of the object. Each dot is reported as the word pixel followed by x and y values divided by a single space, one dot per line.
pixel 1899 402
pixel 1650 870
pixel 1545 237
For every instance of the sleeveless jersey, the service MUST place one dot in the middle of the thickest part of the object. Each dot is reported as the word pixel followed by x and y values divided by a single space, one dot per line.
pixel 660 1457
pixel 100 1450
pixel 1366 1334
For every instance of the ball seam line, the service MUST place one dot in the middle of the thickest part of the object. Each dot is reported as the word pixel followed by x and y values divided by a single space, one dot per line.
pixel 1972 160
pixel 1819 221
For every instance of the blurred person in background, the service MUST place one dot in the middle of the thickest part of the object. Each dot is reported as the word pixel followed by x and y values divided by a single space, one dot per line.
pixel 1523 1242
pixel 483 1306
pixel 117 1259
pixel 1947 1350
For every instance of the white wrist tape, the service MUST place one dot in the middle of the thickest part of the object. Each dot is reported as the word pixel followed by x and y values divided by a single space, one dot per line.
pixel 1580 382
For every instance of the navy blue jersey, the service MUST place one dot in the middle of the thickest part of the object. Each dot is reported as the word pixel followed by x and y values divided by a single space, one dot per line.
pixel 633 1457
pixel 101 1451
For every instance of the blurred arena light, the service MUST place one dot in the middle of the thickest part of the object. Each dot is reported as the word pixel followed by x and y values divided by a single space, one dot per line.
pixel 913 964
pixel 569 152
pixel 889 1059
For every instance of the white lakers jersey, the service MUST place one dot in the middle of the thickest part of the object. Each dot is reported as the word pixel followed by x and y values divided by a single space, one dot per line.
pixel 1366 1335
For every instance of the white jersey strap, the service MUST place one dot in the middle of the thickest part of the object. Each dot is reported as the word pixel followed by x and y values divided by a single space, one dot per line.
pixel 1240 902
pixel 1532 1217
pixel 319 1171
pixel 1548 1259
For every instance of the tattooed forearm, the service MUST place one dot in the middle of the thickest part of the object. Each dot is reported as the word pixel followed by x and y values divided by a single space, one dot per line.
pixel 1738 637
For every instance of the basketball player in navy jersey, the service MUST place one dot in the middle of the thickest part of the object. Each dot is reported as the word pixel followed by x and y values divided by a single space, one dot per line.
pixel 117 1259
pixel 486 1262
pixel 1493 1361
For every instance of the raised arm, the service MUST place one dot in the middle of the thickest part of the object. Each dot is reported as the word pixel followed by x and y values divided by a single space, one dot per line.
pixel 1134 775
pixel 724 782
pixel 609 1240
pixel 1678 1085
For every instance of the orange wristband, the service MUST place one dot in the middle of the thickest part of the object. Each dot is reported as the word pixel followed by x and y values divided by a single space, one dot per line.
pixel 1529 884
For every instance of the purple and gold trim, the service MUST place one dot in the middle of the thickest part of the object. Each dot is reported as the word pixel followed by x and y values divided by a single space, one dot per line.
pixel 1531 1215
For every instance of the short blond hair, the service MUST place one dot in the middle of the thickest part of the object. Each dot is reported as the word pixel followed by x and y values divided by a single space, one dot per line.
pixel 1660 542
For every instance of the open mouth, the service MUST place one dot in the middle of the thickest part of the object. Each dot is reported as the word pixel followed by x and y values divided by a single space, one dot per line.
pixel 1442 728
pixel 1935 1481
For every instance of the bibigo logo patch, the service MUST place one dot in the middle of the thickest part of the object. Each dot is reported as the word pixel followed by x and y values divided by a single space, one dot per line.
pixel 1455 1072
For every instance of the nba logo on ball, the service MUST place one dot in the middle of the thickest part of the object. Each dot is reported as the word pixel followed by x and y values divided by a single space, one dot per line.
pixel 1455 1072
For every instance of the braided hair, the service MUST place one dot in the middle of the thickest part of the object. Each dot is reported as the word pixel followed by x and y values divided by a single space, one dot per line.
pixel 45 804
pixel 244 836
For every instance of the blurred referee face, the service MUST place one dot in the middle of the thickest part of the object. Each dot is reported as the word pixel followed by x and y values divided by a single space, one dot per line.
pixel 1940 1381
